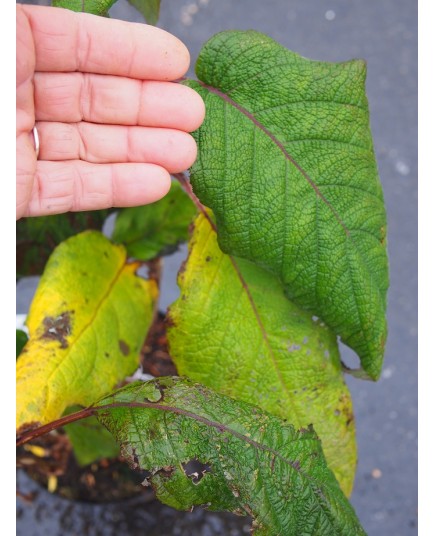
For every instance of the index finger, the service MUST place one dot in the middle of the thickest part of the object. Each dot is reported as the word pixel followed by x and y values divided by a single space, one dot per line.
pixel 67 41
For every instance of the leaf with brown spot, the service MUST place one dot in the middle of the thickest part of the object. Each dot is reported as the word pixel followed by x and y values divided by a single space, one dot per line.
pixel 204 448
pixel 87 307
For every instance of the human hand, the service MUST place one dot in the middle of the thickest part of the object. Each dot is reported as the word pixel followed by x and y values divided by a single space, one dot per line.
pixel 111 124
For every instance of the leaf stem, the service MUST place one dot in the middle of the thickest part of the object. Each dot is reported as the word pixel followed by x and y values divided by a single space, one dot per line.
pixel 28 435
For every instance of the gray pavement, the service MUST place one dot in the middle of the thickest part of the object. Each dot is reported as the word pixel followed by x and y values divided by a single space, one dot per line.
pixel 384 32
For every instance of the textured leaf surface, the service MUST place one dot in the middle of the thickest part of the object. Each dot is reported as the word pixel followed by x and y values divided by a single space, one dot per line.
pixel 90 440
pixel 87 323
pixel 96 7
pixel 155 229
pixel 250 461
pixel 234 330
pixel 286 163
pixel 150 9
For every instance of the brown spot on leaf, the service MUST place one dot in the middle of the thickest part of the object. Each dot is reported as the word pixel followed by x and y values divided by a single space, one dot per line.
pixel 58 328
pixel 346 409
pixel 123 347
pixel 169 322
pixel 152 434
pixel 161 388
pixel 165 472
pixel 296 465
pixel 136 463
pixel 182 268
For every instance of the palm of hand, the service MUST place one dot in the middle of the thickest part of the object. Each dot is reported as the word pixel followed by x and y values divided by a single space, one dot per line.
pixel 112 125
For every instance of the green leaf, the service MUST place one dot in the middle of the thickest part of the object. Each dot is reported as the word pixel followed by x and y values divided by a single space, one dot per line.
pixel 21 341
pixel 248 461
pixel 150 9
pixel 155 229
pixel 233 330
pixel 87 324
pixel 90 440
pixel 96 7
pixel 286 163
pixel 37 237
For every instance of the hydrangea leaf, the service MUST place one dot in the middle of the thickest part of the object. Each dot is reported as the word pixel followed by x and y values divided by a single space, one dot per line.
pixel 286 163
pixel 87 324
pixel 155 229
pixel 247 461
pixel 233 330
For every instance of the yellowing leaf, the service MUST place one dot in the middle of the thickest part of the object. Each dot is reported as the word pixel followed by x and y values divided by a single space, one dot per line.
pixel 234 330
pixel 87 323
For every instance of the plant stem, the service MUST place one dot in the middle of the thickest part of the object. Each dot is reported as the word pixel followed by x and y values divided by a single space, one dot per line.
pixel 28 435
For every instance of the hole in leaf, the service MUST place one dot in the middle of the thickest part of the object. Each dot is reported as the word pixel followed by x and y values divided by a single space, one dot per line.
pixel 142 271
pixel 348 356
pixel 195 470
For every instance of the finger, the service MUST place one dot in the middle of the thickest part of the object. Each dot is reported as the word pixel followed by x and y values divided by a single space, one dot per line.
pixel 75 186
pixel 67 41
pixel 75 97
pixel 172 149
pixel 25 171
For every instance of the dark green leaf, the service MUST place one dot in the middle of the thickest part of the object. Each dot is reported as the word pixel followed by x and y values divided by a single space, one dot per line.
pixel 21 341
pixel 286 162
pixel 150 9
pixel 96 7
pixel 37 237
pixel 247 461
pixel 155 229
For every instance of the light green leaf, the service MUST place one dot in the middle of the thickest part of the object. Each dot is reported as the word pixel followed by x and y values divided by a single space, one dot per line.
pixel 96 7
pixel 155 229
pixel 87 324
pixel 248 461
pixel 234 330
pixel 286 163
pixel 150 9
pixel 90 440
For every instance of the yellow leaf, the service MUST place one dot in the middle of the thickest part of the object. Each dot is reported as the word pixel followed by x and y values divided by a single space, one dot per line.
pixel 234 330
pixel 87 323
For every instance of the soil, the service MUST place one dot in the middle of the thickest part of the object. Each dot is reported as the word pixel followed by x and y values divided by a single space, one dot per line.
pixel 50 461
